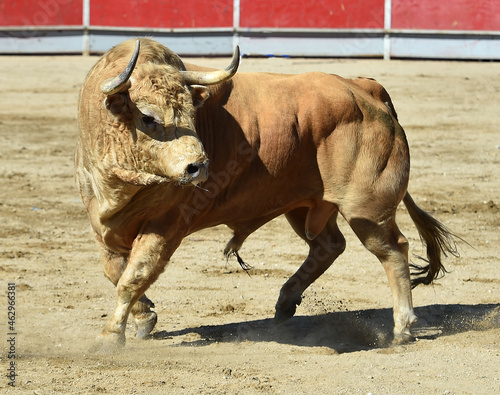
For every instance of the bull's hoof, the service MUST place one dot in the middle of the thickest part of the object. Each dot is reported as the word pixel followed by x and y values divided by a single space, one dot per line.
pixel 145 323
pixel 108 344
pixel 285 308
pixel 402 332
pixel 403 337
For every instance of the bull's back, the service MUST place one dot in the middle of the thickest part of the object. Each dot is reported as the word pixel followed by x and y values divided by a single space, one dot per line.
pixel 311 135
pixel 287 115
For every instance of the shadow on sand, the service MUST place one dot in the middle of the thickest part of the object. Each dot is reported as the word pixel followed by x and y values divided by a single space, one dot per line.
pixel 346 331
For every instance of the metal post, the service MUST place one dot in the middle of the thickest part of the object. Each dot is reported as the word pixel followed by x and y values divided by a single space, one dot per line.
pixel 236 22
pixel 86 26
pixel 387 28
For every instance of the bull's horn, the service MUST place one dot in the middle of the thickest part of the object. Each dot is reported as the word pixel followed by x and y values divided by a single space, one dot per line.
pixel 116 84
pixel 213 77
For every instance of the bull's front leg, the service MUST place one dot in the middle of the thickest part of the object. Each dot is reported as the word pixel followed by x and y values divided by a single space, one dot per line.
pixel 114 266
pixel 148 258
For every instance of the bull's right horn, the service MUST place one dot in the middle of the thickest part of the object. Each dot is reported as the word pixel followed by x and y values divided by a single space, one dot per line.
pixel 116 84
pixel 213 77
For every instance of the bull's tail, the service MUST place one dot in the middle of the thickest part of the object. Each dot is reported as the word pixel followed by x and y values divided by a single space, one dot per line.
pixel 438 240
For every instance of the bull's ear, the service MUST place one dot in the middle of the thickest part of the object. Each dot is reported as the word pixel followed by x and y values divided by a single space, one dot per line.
pixel 199 93
pixel 116 104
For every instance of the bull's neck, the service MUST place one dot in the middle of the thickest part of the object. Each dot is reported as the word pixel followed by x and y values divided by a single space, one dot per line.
pixel 114 195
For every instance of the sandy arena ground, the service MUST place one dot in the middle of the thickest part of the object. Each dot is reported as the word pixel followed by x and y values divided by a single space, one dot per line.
pixel 214 334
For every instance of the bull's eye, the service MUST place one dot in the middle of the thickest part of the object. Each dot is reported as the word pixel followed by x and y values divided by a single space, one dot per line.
pixel 148 120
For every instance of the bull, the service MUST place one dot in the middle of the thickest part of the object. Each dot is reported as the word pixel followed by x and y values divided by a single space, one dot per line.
pixel 166 149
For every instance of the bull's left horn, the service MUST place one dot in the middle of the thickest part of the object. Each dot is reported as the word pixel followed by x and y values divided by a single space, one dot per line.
pixel 116 84
pixel 213 77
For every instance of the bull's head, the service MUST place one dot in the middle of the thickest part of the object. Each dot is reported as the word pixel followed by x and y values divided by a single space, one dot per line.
pixel 157 106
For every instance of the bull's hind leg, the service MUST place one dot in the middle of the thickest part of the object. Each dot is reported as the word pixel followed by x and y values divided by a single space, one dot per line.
pixel 388 244
pixel 144 318
pixel 323 250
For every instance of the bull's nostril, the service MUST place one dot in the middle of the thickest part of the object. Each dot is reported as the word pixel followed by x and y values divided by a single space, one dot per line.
pixel 193 169
pixel 197 172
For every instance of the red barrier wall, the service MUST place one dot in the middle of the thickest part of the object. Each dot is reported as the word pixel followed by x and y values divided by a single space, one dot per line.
pixel 41 12
pixel 416 28
pixel 312 14
pixel 365 14
pixel 162 13
pixel 446 15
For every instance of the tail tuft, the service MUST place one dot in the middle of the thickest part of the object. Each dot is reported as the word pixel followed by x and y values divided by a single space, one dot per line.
pixel 436 237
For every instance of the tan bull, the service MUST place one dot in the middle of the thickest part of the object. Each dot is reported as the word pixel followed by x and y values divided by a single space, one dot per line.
pixel 257 145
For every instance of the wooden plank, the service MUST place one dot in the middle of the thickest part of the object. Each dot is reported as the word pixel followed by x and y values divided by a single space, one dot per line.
pixel 445 47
